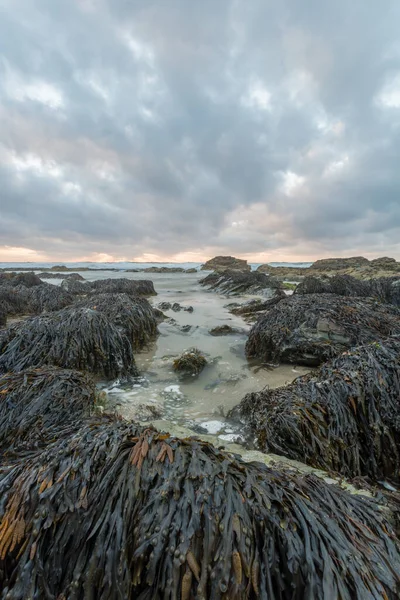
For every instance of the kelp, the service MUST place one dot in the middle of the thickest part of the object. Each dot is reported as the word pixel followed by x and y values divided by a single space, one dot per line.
pixel 13 300
pixel 134 316
pixel 76 287
pixel 234 283
pixel 190 362
pixel 384 289
pixel 72 338
pixel 38 405
pixel 344 417
pixel 252 310
pixel 133 287
pixel 25 279
pixel 47 298
pixel 309 329
pixel 117 511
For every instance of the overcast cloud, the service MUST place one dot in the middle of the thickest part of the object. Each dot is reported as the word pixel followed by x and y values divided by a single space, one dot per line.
pixel 183 129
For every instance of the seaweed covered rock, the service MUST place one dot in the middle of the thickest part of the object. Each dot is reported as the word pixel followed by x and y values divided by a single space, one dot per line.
pixel 223 263
pixel 134 316
pixel 76 287
pixel 190 362
pixel 234 283
pixel 14 300
pixel 48 275
pixel 133 287
pixel 72 338
pixel 336 264
pixel 118 511
pixel 47 298
pixel 3 318
pixel 38 405
pixel 254 308
pixel 345 417
pixel 26 279
pixel 309 329
pixel 223 330
pixel 385 289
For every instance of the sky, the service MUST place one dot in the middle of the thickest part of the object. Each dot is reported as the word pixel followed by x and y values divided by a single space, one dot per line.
pixel 179 130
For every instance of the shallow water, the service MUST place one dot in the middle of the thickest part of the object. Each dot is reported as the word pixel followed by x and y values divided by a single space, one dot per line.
pixel 198 402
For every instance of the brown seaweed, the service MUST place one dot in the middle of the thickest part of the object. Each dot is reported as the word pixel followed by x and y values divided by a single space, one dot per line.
pixel 309 329
pixel 344 417
pixel 72 338
pixel 117 511
pixel 38 405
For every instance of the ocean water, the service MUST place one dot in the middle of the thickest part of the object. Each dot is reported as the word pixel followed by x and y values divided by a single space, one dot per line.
pixel 123 266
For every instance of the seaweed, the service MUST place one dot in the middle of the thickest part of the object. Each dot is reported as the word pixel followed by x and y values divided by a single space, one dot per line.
pixel 25 279
pixel 384 289
pixel 190 362
pixel 72 338
pixel 309 329
pixel 38 405
pixel 47 297
pixel 13 300
pixel 133 287
pixel 76 287
pixel 345 417
pixel 116 511
pixel 234 283
pixel 134 316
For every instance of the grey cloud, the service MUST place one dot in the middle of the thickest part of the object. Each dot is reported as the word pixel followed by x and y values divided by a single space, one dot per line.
pixel 162 121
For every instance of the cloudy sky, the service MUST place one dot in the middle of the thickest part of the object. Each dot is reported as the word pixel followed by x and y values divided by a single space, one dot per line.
pixel 181 129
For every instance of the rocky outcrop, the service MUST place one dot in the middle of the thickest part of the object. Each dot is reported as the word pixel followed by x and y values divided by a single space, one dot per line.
pixel 358 267
pixel 48 275
pixel 135 287
pixel 343 418
pixel 223 263
pixel 310 329
pixel 234 283
pixel 164 270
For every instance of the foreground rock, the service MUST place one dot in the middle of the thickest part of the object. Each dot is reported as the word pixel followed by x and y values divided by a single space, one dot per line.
pixel 385 289
pixel 22 300
pixel 133 316
pixel 234 283
pixel 73 338
pixel 37 405
pixel 310 329
pixel 191 362
pixel 345 417
pixel 223 263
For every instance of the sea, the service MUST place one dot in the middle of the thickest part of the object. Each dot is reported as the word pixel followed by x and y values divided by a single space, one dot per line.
pixel 124 266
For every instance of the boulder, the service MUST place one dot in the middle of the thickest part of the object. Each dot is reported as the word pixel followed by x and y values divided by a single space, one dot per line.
pixel 72 338
pixel 345 417
pixel 234 283
pixel 223 330
pixel 222 263
pixel 336 264
pixel 309 329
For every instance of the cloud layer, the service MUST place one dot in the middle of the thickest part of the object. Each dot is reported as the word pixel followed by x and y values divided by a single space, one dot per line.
pixel 184 129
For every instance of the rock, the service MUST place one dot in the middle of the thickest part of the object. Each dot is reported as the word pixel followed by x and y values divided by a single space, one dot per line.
pixel 59 268
pixel 223 330
pixel 309 329
pixel 72 338
pixel 336 264
pixel 164 270
pixel 20 279
pixel 135 287
pixel 186 328
pixel 75 276
pixel 76 287
pixel 345 417
pixel 191 362
pixel 191 270
pixel 223 263
pixel 234 283
pixel 188 309
pixel 164 306
pixel 176 307
pixel 385 262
